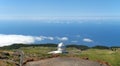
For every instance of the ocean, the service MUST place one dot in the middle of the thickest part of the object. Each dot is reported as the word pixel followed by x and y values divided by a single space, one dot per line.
pixel 97 32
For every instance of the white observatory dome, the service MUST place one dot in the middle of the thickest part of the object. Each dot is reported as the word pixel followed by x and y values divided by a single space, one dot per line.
pixel 61 44
pixel 60 49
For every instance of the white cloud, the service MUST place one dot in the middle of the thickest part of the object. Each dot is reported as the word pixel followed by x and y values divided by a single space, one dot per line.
pixel 62 38
pixel 45 37
pixel 59 19
pixel 51 38
pixel 87 40
pixel 6 40
pixel 38 38
pixel 11 39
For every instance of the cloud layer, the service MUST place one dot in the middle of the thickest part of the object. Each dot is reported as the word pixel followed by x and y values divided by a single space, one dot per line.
pixel 62 38
pixel 87 40
pixel 58 18
pixel 6 40
pixel 11 39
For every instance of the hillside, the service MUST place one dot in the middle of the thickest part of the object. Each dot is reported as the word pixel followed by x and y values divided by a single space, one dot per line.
pixel 9 55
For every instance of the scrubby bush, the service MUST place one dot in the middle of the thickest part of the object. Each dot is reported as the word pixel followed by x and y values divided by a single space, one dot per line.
pixel 100 47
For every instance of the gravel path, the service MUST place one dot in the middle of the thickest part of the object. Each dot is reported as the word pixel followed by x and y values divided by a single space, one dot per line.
pixel 63 62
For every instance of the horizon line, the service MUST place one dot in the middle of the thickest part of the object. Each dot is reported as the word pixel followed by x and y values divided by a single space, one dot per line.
pixel 58 17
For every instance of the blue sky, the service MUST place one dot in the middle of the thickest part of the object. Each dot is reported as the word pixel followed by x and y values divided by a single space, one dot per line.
pixel 59 8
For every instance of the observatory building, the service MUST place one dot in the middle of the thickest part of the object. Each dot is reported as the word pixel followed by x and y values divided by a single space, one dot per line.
pixel 60 49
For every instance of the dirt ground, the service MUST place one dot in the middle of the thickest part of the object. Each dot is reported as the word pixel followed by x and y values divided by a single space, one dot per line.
pixel 63 61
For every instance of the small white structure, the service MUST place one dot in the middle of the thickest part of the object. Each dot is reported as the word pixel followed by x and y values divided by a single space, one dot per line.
pixel 60 49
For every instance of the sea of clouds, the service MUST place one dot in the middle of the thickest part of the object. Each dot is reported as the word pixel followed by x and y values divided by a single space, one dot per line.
pixel 9 39
pixel 6 40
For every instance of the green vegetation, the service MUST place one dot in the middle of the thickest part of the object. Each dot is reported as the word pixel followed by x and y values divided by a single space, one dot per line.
pixel 100 47
pixel 37 52
pixel 81 47
pixel 17 46
pixel 109 56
